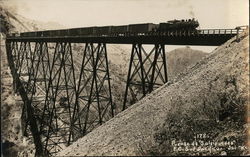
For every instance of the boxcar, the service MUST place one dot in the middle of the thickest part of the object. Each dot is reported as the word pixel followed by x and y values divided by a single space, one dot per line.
pixel 23 34
pixel 87 31
pixel 103 30
pixel 74 32
pixel 63 32
pixel 32 34
pixel 39 34
pixel 141 28
pixel 54 33
pixel 46 33
pixel 119 29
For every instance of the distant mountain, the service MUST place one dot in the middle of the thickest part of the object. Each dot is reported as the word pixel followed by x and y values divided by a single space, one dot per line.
pixel 179 59
pixel 13 22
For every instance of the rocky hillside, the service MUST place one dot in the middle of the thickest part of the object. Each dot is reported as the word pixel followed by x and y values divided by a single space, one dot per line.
pixel 13 22
pixel 206 103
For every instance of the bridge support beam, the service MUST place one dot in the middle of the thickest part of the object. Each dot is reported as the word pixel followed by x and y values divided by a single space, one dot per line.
pixel 60 89
pixel 14 55
pixel 57 110
pixel 94 103
pixel 147 71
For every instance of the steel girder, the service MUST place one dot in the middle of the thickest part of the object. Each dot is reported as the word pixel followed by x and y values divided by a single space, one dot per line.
pixel 147 71
pixel 57 110
pixel 16 59
pixel 62 104
pixel 94 103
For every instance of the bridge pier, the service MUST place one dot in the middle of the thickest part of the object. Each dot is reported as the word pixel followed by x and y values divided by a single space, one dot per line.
pixel 147 71
pixel 66 106
pixel 94 103
pixel 60 88
pixel 13 55
pixel 61 109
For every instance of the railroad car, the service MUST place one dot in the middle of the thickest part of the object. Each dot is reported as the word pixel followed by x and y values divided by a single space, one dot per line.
pixel 24 34
pixel 55 33
pixel 74 32
pixel 119 30
pixel 172 26
pixel 102 31
pixel 39 33
pixel 142 28
pixel 46 33
pixel 87 31
pixel 31 34
pixel 65 32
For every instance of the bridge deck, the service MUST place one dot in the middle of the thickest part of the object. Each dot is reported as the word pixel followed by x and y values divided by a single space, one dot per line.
pixel 206 37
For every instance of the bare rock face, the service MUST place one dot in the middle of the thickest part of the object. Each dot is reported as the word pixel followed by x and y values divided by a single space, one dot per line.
pixel 208 98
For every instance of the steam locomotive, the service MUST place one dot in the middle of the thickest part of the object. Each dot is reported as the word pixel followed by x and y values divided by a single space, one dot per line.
pixel 169 27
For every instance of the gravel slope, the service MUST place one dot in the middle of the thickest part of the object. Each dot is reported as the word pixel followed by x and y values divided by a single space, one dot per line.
pixel 195 94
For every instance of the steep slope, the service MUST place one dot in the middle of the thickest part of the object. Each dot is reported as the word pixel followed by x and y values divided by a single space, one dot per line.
pixel 210 97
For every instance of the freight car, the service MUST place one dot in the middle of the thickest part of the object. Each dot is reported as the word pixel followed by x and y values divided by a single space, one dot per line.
pixel 88 31
pixel 120 30
pixel 102 31
pixel 28 34
pixel 142 29
pixel 170 27
pixel 74 31
pixel 46 33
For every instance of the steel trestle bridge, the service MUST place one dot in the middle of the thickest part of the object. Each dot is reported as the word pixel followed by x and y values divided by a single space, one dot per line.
pixel 63 102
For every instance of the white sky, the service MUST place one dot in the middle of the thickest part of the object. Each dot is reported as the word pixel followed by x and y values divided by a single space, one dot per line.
pixel 81 13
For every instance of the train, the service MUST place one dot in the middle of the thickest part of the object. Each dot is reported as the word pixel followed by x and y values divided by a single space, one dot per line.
pixel 170 27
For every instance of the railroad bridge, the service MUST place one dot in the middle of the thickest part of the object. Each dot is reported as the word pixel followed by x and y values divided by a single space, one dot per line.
pixel 63 102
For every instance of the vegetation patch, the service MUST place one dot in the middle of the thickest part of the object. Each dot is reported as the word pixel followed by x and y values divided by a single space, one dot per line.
pixel 218 119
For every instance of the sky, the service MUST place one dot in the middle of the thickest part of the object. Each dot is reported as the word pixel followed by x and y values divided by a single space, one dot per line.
pixel 81 13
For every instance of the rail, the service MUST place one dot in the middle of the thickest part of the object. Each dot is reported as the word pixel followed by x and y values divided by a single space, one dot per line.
pixel 55 33
pixel 205 37
pixel 220 31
